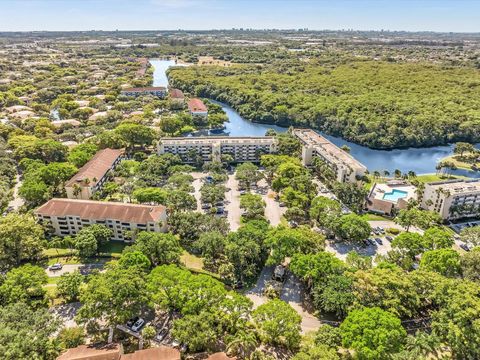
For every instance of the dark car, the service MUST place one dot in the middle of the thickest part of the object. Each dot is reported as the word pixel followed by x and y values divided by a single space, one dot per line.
pixel 132 321
pixel 389 238
pixel 465 247
pixel 279 273
pixel 379 241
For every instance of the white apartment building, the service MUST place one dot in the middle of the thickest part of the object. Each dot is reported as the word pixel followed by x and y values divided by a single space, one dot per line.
pixel 344 165
pixel 453 199
pixel 158 91
pixel 68 217
pixel 210 148
pixel 92 176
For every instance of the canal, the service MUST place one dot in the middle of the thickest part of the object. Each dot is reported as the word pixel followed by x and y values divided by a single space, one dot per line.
pixel 419 160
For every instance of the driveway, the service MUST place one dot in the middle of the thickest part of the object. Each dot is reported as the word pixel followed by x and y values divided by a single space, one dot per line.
pixel 232 203
pixel 292 293
pixel 273 211
pixel 84 269
pixel 197 184
pixel 17 201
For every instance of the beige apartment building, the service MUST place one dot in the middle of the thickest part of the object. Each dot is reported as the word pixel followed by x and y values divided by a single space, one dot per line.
pixel 210 148
pixel 345 166
pixel 454 199
pixel 68 217
pixel 92 176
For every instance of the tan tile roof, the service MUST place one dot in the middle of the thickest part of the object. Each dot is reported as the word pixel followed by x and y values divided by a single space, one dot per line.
pixel 220 356
pixel 100 210
pixel 176 94
pixel 160 353
pixel 87 352
pixel 196 105
pixel 59 123
pixel 96 168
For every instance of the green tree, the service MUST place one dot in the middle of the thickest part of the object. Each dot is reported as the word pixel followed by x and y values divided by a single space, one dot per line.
pixel 18 324
pixel 134 258
pixel 159 248
pixel 351 194
pixel 253 205
pixel 85 243
pixel 81 153
pixel 372 333
pixel 412 243
pixel 462 147
pixel 135 134
pixel 71 337
pixel 443 261
pixel 278 323
pixel 437 238
pixel 21 239
pixel 116 296
pixel 68 286
pixel 247 174
pixel 324 211
pixel 197 331
pixel 470 264
pixel 471 235
pixel 24 285
pixel 352 227
pixel 419 218
pixel 242 343
pixel 284 242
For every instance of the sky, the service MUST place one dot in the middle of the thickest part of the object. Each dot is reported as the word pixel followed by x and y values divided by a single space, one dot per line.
pixel 409 15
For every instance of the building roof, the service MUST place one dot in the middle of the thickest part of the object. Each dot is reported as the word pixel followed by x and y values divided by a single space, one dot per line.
pixel 196 105
pixel 102 210
pixel 160 353
pixel 327 149
pixel 176 94
pixel 60 123
pixel 96 168
pixel 220 140
pixel 142 89
pixel 457 186
pixel 88 352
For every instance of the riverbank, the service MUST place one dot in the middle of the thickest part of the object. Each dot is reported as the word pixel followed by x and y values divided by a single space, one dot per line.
pixel 461 164
pixel 418 160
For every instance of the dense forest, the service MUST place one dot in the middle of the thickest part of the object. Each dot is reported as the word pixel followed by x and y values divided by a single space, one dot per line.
pixel 375 103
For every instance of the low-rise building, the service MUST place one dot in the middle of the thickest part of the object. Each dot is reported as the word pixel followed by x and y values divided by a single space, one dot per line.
pixel 115 352
pixel 68 217
pixel 176 96
pixel 159 91
pixel 345 167
pixel 386 198
pixel 211 148
pixel 196 107
pixel 454 199
pixel 92 176
pixel 66 123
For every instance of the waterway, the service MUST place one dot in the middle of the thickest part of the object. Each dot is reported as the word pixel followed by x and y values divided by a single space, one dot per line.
pixel 419 160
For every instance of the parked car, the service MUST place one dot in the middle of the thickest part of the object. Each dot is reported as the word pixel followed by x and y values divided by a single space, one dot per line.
pixel 56 266
pixel 243 192
pixel 206 206
pixel 465 247
pixel 279 273
pixel 379 241
pixel 161 335
pixel 389 238
pixel 371 241
pixel 138 325
pixel 132 321
pixel 293 224
pixel 282 204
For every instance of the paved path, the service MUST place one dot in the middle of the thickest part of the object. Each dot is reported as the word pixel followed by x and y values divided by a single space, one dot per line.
pixel 66 313
pixel 17 201
pixel 273 211
pixel 84 269
pixel 232 203
pixel 291 293
pixel 197 184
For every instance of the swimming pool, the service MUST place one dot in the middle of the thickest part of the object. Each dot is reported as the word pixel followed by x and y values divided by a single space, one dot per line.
pixel 394 195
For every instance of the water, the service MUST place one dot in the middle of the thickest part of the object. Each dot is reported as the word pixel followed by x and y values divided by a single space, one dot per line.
pixel 394 195
pixel 419 160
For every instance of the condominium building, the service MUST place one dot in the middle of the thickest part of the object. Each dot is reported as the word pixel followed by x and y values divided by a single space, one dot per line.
pixel 159 91
pixel 93 175
pixel 207 148
pixel 453 199
pixel 345 167
pixel 196 107
pixel 68 217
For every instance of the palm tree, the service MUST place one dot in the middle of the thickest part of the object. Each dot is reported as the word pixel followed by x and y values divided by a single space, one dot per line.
pixel 243 343
pixel 411 174
pixel 423 344
pixel 397 173
pixel 376 174
pixel 56 243
pixel 76 190
pixel 386 173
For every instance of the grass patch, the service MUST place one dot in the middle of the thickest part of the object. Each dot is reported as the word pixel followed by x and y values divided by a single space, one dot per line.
pixel 113 248
pixel 434 177
pixel 191 261
pixel 374 217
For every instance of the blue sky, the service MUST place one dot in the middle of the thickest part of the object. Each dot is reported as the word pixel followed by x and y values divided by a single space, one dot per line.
pixel 412 15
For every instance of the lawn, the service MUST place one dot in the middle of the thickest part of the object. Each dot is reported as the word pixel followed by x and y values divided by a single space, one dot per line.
pixel 191 261
pixel 374 217
pixel 426 178
pixel 455 159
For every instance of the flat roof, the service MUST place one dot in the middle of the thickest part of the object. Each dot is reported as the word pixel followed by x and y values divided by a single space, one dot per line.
pixel 102 210
pixel 153 88
pixel 327 148
pixel 225 140
pixel 96 168
pixel 457 186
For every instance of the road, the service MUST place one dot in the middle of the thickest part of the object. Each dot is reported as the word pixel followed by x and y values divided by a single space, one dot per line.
pixel 17 201
pixel 197 184
pixel 291 293
pixel 232 203
pixel 273 211
pixel 84 269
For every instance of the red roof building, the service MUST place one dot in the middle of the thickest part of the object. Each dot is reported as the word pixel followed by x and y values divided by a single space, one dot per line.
pixel 197 107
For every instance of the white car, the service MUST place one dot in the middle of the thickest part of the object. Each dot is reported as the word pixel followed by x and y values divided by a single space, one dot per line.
pixel 56 266
pixel 138 325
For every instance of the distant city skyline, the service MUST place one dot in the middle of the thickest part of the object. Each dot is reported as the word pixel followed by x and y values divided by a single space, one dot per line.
pixel 395 15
